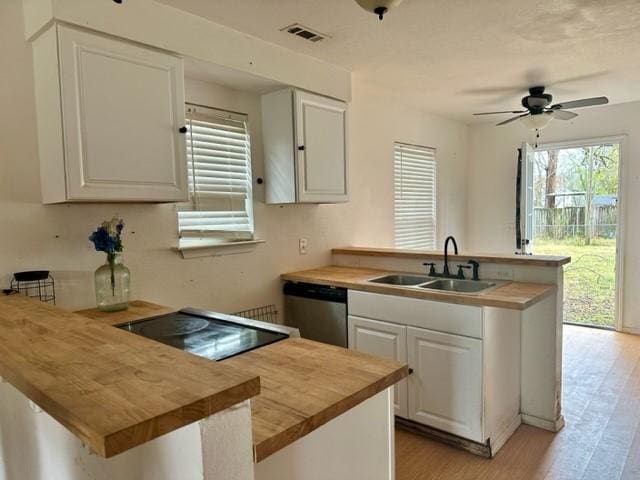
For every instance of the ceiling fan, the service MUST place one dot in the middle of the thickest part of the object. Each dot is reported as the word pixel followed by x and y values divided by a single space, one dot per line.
pixel 538 113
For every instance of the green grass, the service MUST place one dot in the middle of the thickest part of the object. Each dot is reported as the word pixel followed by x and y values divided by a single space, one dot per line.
pixel 589 280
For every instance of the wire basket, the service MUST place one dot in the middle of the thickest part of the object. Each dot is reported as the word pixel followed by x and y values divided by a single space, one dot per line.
pixel 35 284
pixel 266 313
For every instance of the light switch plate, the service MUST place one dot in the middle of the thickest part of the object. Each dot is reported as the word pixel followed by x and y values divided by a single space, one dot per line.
pixel 302 246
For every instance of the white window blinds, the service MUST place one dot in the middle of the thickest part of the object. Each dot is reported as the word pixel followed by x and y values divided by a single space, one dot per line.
pixel 415 196
pixel 219 169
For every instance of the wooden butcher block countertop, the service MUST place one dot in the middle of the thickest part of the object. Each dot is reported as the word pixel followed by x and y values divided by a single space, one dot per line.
pixel 112 389
pixel 305 384
pixel 512 295
pixel 138 310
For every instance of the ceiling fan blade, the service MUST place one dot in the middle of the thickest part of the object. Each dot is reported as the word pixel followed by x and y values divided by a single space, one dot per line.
pixel 585 102
pixel 495 113
pixel 512 119
pixel 563 114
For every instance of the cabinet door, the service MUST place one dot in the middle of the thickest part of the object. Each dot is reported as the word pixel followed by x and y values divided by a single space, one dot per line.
pixel 321 155
pixel 445 390
pixel 122 108
pixel 384 340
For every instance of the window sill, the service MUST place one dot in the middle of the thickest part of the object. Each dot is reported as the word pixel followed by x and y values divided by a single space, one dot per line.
pixel 194 248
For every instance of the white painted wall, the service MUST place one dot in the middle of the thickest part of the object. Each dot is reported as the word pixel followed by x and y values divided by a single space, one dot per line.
pixel 357 445
pixel 491 184
pixel 55 236
pixel 37 447
pixel 376 122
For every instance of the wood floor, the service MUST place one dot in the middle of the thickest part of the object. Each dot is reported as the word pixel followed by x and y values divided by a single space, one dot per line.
pixel 601 440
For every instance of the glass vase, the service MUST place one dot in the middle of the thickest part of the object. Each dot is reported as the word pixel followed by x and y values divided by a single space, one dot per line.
pixel 112 285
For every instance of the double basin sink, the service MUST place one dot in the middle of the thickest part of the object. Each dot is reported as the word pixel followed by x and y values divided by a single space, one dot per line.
pixel 432 283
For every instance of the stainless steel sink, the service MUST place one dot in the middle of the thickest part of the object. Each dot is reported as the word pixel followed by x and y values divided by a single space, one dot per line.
pixel 431 283
pixel 455 285
pixel 404 280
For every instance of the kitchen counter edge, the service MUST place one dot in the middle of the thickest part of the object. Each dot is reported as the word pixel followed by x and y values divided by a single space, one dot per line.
pixel 530 260
pixel 38 342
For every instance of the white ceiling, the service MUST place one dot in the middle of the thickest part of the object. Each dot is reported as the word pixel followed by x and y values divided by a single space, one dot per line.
pixel 456 57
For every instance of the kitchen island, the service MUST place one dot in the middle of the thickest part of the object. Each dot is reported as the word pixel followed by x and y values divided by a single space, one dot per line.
pixel 152 411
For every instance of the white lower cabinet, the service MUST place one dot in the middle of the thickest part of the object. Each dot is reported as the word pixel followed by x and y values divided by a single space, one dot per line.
pixel 386 340
pixel 464 362
pixel 445 390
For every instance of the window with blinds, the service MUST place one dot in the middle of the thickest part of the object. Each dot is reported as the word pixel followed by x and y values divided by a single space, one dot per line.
pixel 219 169
pixel 415 196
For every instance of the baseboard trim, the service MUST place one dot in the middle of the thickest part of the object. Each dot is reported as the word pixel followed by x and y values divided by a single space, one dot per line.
pixel 552 426
pixel 505 435
pixel 631 330
pixel 480 449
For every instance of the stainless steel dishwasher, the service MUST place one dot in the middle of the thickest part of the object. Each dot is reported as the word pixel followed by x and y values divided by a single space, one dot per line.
pixel 319 312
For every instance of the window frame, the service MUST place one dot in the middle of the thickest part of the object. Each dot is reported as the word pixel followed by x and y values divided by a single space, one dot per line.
pixel 222 236
pixel 432 152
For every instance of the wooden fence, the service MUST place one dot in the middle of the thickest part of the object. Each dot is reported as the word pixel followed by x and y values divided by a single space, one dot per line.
pixel 567 222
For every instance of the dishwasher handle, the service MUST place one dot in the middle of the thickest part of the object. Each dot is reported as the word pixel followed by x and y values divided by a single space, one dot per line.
pixel 316 292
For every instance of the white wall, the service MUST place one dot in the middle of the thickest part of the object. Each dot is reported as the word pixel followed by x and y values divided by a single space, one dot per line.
pixel 37 447
pixel 358 444
pixel 55 236
pixel 376 122
pixel 491 184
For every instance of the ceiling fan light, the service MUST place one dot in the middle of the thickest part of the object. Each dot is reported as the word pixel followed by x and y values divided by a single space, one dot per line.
pixel 537 121
pixel 379 7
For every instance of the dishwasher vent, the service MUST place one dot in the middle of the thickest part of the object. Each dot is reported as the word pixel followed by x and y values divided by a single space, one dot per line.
pixel 304 32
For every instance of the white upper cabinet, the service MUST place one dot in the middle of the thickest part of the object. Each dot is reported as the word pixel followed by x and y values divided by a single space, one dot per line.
pixel 321 136
pixel 110 115
pixel 305 148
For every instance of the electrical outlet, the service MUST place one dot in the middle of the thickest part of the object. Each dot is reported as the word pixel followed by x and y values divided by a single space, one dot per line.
pixel 504 274
pixel 302 246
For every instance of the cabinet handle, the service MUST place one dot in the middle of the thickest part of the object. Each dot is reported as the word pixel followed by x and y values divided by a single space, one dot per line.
pixel 182 129
pixel 301 147
pixel 410 371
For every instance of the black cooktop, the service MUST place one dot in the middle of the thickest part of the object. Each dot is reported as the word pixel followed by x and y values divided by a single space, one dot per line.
pixel 206 336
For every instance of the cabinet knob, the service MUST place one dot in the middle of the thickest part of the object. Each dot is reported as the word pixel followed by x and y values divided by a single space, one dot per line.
pixel 410 371
pixel 301 147
pixel 182 129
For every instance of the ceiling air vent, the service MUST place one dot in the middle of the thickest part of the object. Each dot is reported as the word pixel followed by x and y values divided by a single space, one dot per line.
pixel 304 32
